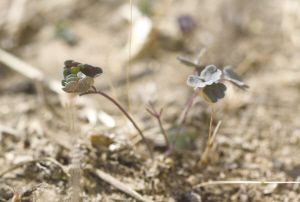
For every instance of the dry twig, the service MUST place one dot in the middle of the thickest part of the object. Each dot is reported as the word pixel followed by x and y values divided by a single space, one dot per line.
pixel 121 186
pixel 233 182
pixel 34 161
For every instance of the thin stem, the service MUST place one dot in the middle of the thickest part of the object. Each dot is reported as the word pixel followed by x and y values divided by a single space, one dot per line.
pixel 163 131
pixel 125 113
pixel 209 144
pixel 157 115
pixel 212 114
pixel 182 118
pixel 75 173
pixel 214 134
pixel 129 56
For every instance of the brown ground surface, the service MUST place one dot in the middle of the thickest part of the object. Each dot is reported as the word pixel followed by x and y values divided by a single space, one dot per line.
pixel 259 138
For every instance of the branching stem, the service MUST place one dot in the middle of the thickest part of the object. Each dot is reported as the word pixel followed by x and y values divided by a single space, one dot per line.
pixel 157 115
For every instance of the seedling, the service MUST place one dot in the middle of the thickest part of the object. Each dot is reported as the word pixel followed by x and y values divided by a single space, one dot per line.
pixel 79 78
pixel 208 82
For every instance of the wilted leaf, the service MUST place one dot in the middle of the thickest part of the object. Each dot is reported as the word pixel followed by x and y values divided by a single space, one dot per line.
pixel 90 70
pixel 233 77
pixel 215 91
pixel 78 85
pixel 100 141
pixel 79 77
pixel 72 67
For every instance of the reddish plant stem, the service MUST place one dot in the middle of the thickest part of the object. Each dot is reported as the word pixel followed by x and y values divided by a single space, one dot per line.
pixel 182 118
pixel 125 113
pixel 157 115
pixel 163 131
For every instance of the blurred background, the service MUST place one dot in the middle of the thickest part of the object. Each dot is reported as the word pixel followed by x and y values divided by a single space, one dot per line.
pixel 260 133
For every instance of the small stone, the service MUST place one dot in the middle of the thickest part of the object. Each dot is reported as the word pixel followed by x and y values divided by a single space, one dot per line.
pixel 270 188
pixel 192 180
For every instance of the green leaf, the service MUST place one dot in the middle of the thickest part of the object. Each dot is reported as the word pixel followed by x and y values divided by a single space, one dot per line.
pixel 75 70
pixel 66 72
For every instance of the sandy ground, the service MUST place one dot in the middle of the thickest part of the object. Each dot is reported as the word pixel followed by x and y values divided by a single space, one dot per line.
pixel 259 137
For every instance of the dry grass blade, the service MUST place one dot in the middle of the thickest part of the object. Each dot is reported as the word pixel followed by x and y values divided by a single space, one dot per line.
pixel 121 186
pixel 234 182
pixel 15 16
pixel 129 57
pixel 35 161
pixel 9 130
pixel 210 141
pixel 28 70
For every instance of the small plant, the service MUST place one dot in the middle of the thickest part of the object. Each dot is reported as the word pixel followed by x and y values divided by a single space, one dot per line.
pixel 79 78
pixel 208 82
